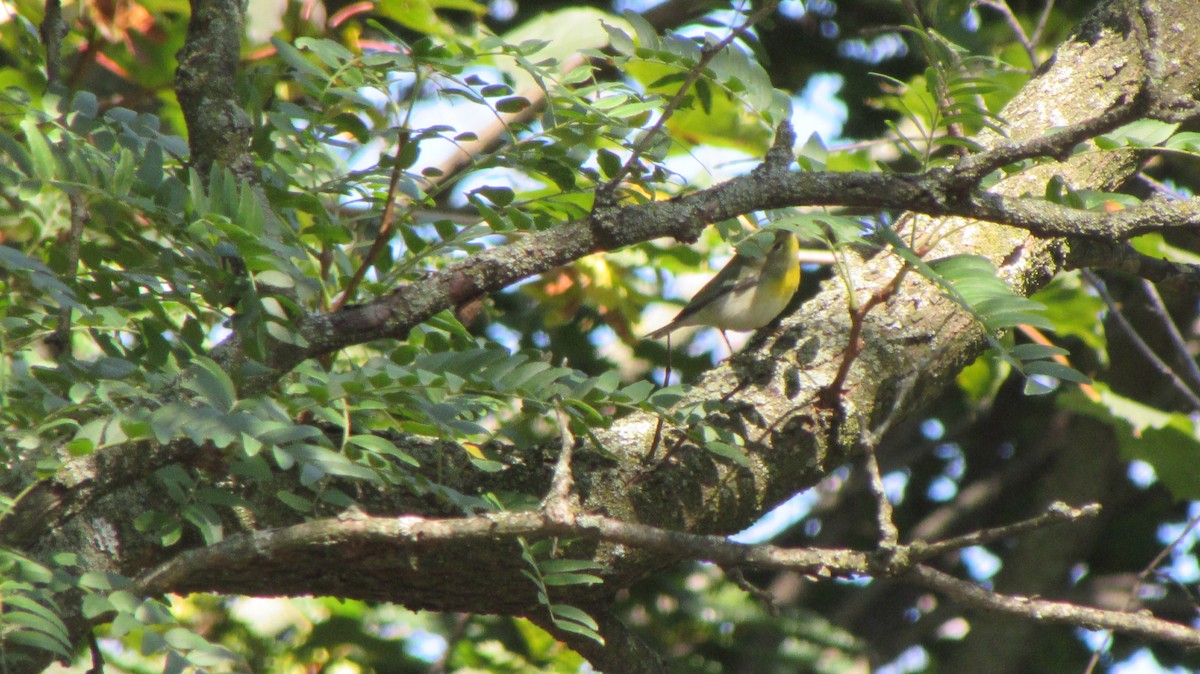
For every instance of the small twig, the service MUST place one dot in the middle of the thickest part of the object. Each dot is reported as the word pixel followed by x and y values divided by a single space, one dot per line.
pixel 1094 254
pixel 1136 589
pixel 486 140
pixel 1181 354
pixel 886 140
pixel 488 137
pixel 1056 513
pixel 557 504
pixel 385 225
pixel 1136 339
pixel 1041 24
pixel 1042 611
pixel 980 494
pixel 59 341
pixel 763 596
pixel 1013 23
pixel 889 536
pixel 461 622
pixel 415 534
pixel 658 427
pixel 967 173
pixel 1159 187
pixel 854 344
pixel 53 30
pixel 707 54
pixel 97 655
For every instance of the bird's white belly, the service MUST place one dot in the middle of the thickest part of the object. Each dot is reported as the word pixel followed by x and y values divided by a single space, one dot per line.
pixel 749 309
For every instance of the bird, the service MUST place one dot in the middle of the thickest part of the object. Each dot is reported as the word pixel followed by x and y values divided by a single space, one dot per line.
pixel 747 293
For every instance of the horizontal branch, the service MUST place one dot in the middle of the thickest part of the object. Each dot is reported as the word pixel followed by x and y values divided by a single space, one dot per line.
pixel 930 193
pixel 1048 220
pixel 1120 256
pixel 1056 513
pixel 408 535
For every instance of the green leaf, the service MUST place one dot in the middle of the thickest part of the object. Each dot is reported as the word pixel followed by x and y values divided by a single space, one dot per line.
pixel 331 53
pixel 295 58
pixel 293 501
pixel 573 614
pixel 103 580
pixel 210 381
pixel 646 35
pixel 42 618
pixel 18 155
pixel 204 518
pixel 95 605
pixel 378 445
pixel 1168 441
pixel 728 451
pixel 185 639
pixel 44 159
pixel 609 163
pixel 1072 310
pixel 621 42
pixel 37 640
pixel 275 279
pixel 150 168
pixel 567 565
pixel 421 15
pixel 637 392
pixel 1142 133
pixel 1024 352
pixel 584 630
pixel 330 462
pixel 512 104
pixel 1051 368
pixel 571 579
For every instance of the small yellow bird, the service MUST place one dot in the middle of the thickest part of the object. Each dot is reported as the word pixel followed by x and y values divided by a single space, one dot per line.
pixel 747 293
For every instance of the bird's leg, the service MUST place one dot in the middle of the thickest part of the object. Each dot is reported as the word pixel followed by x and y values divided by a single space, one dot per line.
pixel 727 344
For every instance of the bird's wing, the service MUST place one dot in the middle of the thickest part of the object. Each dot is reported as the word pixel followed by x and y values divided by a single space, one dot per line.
pixel 736 276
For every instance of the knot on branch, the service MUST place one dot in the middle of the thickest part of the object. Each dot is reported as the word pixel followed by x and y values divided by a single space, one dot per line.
pixel 891 560
pixel 779 157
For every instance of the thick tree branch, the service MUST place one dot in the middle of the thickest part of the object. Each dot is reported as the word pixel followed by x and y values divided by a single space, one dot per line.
pixel 218 128
pixel 1119 256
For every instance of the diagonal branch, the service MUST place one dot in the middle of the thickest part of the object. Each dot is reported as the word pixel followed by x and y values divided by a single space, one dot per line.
pixel 1041 610
pixel 1095 254
pixel 969 171
pixel 1135 338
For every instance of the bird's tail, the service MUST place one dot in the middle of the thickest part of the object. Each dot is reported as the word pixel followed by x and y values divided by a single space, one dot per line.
pixel 662 332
